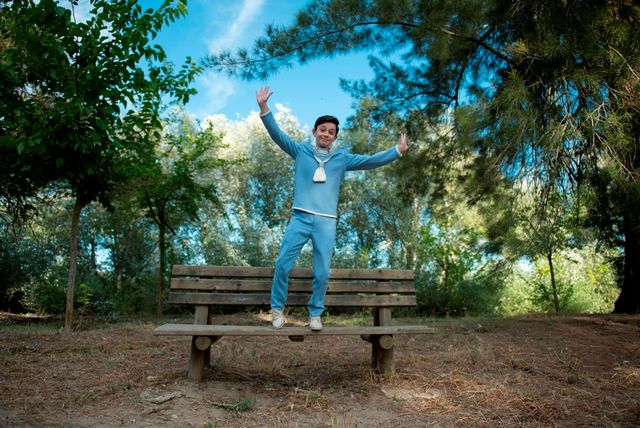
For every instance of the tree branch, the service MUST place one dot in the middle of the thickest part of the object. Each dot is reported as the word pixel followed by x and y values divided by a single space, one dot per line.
pixel 304 43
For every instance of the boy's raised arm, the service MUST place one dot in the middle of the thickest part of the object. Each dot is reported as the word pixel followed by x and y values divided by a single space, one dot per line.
pixel 262 96
pixel 360 162
pixel 277 135
pixel 403 146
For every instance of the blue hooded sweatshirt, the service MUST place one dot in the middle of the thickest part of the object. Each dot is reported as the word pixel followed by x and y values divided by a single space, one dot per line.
pixel 322 198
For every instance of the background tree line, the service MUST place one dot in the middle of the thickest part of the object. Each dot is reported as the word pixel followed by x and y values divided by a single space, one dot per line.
pixel 242 222
pixel 518 196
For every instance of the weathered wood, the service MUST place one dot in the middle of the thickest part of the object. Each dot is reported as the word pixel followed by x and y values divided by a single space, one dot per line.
pixel 266 272
pixel 197 356
pixel 384 341
pixel 263 330
pixel 264 299
pixel 381 358
pixel 207 286
pixel 384 316
pixel 203 342
pixel 201 314
pixel 223 271
pixel 253 285
pixel 207 353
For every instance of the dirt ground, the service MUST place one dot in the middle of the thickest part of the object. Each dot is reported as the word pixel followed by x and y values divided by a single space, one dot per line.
pixel 580 370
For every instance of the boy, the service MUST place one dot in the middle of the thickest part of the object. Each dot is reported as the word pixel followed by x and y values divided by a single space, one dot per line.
pixel 319 171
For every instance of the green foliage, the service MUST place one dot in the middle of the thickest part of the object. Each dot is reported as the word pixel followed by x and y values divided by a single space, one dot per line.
pixel 39 259
pixel 23 263
pixel 532 99
pixel 81 101
pixel 171 190
pixel 456 276
pixel 525 126
pixel 586 284
pixel 135 296
pixel 65 88
pixel 48 297
pixel 446 244
pixel 256 196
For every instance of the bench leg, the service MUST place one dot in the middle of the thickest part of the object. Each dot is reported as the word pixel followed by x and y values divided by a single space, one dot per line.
pixel 207 352
pixel 196 361
pixel 385 362
pixel 207 357
pixel 199 358
pixel 382 356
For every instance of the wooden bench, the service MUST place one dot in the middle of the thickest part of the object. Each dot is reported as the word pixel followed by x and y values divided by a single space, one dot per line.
pixel 208 286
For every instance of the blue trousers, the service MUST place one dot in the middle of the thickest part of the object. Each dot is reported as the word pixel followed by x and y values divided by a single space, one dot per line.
pixel 322 232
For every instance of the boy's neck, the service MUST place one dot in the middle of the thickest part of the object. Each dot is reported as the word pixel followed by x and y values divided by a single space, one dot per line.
pixel 322 151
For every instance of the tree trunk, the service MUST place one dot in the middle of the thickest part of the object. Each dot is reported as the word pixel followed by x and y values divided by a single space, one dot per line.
pixel 629 300
pixel 73 263
pixel 160 291
pixel 554 288
pixel 94 256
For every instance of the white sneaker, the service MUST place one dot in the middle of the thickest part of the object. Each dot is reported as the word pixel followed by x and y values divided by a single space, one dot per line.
pixel 277 318
pixel 315 324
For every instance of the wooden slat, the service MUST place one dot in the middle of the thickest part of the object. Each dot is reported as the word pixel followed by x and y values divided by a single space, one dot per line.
pixel 223 271
pixel 235 330
pixel 252 285
pixel 257 299
pixel 374 274
pixel 267 272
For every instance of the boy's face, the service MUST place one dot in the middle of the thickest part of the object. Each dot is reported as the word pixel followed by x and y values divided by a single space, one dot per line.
pixel 326 133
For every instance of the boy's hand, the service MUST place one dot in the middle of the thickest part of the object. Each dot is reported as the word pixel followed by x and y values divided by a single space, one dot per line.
pixel 262 96
pixel 403 146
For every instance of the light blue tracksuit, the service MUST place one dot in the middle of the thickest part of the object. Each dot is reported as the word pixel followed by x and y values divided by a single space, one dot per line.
pixel 314 211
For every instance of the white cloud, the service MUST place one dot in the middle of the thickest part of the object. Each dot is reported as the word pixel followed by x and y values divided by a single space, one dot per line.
pixel 283 108
pixel 216 88
pixel 235 31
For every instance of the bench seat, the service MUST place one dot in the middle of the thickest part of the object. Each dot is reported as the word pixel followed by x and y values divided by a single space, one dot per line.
pixel 250 330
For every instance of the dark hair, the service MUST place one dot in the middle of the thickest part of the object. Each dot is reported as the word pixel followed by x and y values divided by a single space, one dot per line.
pixel 327 119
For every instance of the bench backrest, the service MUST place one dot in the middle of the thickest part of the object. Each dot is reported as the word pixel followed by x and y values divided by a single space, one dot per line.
pixel 251 286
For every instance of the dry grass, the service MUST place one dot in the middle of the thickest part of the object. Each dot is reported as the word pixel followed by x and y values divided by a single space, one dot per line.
pixel 529 371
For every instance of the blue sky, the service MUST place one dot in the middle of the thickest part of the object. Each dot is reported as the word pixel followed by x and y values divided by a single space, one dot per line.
pixel 309 90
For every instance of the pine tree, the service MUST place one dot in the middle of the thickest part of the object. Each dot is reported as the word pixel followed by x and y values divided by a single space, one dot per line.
pixel 538 91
